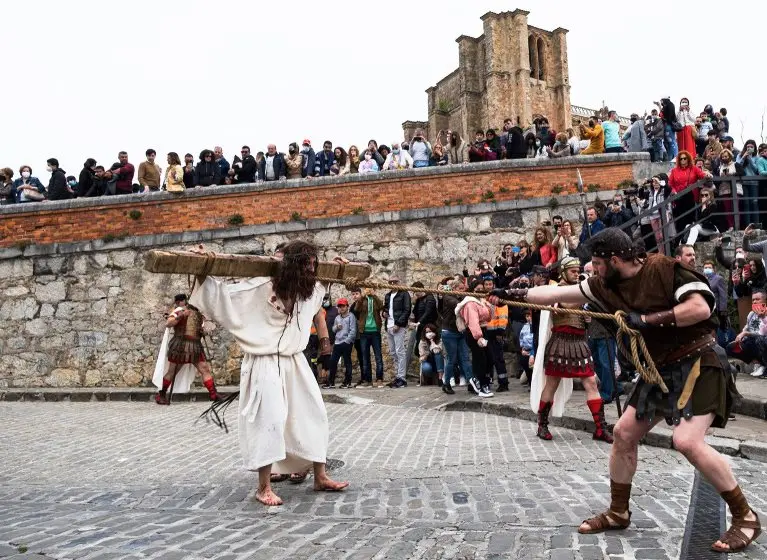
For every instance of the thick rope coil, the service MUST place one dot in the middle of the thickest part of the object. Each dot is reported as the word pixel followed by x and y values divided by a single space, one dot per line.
pixel 637 351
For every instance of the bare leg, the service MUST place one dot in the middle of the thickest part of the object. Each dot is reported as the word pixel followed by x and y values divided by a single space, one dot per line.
pixel 689 441
pixel 590 386
pixel 624 453
pixel 264 494
pixel 550 388
pixel 323 483
pixel 204 370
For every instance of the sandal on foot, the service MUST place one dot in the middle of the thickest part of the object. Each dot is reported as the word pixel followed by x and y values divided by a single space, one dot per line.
pixel 735 539
pixel 278 477
pixel 298 478
pixel 606 521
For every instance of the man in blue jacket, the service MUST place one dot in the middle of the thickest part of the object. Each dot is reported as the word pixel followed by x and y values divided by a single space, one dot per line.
pixel 272 167
pixel 592 226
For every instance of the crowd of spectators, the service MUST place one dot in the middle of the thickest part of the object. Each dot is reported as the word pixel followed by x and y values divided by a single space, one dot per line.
pixel 702 142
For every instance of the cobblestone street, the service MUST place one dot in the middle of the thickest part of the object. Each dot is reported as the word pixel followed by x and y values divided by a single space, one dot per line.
pixel 133 480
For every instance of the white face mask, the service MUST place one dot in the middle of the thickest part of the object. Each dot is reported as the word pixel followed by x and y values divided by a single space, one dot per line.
pixel 430 335
pixel 50 169
pixel 740 255
pixel 368 156
pixel 25 174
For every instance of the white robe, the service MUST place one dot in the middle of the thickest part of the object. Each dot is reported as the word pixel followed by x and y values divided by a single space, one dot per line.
pixel 282 419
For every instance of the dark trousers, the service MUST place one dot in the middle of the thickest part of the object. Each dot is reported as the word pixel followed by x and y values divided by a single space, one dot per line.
pixel 368 339
pixel 341 350
pixel 752 349
pixel 495 343
pixel 603 351
pixel 480 360
pixel 358 351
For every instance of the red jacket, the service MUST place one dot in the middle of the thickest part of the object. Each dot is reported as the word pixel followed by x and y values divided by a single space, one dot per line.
pixel 548 254
pixel 680 179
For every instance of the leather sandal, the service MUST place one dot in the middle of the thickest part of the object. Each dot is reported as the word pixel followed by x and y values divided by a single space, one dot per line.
pixel 735 539
pixel 278 477
pixel 606 521
pixel 298 478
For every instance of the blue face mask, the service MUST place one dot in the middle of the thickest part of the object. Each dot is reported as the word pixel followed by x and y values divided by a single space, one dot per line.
pixel 708 271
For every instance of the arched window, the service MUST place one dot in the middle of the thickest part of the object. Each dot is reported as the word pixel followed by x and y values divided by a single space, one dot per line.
pixel 533 56
pixel 541 60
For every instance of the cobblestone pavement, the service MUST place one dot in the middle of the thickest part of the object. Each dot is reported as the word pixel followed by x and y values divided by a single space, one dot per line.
pixel 131 480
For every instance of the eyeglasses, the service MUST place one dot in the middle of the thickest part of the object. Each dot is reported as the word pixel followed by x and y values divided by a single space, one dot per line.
pixel 704 196
pixel 208 156
pixel 683 159
pixel 244 152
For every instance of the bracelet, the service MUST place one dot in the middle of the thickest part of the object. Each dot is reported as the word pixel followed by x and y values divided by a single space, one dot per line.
pixel 661 319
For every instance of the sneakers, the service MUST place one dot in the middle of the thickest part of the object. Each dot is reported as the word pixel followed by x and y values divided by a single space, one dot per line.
pixel 474 386
pixel 461 384
pixel 485 392
pixel 448 389
pixel 346 385
pixel 502 388
pixel 326 386
pixel 758 372
pixel 398 383
pixel 380 384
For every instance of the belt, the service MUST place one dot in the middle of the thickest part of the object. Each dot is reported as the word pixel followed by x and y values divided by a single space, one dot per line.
pixel 695 349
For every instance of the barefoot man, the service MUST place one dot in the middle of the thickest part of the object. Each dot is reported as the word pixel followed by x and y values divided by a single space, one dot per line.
pixel 283 426
pixel 672 306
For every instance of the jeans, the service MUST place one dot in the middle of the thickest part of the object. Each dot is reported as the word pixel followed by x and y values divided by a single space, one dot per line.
pixel 398 350
pixel 658 151
pixel 368 339
pixel 603 351
pixel 669 142
pixel 481 364
pixel 495 342
pixel 752 349
pixel 412 346
pixel 341 350
pixel 457 351
pixel 421 163
pixel 750 204
pixel 358 351
pixel 428 366
pixel 615 150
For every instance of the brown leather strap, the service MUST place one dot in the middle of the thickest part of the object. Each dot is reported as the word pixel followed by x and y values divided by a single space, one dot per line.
pixel 661 319
pixel 620 494
pixel 737 503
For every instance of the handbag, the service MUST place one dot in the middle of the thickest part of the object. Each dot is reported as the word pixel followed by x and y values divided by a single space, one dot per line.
pixel 677 126
pixel 33 195
pixel 739 188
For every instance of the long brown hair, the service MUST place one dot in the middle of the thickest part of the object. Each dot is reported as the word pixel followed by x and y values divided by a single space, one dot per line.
pixel 546 237
pixel 296 278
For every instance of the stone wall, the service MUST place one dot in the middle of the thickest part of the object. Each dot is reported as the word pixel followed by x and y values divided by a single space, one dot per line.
pixel 87 314
pixel 240 208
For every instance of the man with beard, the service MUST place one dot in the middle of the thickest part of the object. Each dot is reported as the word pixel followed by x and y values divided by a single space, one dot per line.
pixel 567 356
pixel 283 425
pixel 672 306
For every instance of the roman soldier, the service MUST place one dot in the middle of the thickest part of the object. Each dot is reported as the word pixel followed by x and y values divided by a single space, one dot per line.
pixel 182 354
pixel 567 356
pixel 672 305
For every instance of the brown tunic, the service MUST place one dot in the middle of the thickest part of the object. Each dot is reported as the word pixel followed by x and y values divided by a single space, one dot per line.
pixel 661 284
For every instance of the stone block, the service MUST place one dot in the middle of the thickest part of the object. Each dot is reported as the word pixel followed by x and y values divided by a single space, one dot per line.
pixel 36 327
pixel 62 377
pixel 17 310
pixel 755 450
pixel 16 291
pixel 52 292
pixel 16 269
pixel 92 339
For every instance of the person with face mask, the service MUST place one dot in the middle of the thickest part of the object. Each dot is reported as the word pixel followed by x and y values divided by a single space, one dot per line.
pixel 751 343
pixel 716 282
pixel 28 188
pixel 58 189
pixel 368 164
pixel 431 356
pixel 294 162
pixel 397 159
pixel 595 134
pixel 687 135
pixel 735 268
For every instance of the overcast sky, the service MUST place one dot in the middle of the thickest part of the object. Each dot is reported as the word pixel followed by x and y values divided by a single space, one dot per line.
pixel 89 78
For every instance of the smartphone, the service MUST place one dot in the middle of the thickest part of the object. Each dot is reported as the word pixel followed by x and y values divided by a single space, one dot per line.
pixel 752 225
pixel 515 250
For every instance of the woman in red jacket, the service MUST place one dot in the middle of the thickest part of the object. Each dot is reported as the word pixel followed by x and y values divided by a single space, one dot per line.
pixel 544 251
pixel 682 176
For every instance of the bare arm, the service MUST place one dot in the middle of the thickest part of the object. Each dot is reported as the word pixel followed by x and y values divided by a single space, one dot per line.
pixel 692 310
pixel 549 295
pixel 321 325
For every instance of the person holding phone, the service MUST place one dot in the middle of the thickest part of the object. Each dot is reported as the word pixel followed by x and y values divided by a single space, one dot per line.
pixel 565 240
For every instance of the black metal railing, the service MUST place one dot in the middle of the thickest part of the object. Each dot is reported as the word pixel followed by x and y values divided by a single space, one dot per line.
pixel 670 214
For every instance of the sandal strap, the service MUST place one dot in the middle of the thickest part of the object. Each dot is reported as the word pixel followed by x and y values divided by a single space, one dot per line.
pixel 746 523
pixel 606 521
pixel 735 539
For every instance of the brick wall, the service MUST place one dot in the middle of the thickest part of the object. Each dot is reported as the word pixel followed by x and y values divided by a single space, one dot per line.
pixel 215 208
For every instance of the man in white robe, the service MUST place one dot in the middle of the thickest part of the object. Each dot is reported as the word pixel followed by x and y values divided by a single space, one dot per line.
pixel 283 424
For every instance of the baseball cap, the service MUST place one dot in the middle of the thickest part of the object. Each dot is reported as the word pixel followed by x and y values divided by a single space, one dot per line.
pixel 306 141
pixel 342 301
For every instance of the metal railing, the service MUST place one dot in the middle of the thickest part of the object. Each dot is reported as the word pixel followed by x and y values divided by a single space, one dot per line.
pixel 670 213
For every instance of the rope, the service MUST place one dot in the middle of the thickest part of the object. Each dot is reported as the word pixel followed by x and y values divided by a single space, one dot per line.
pixel 637 351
